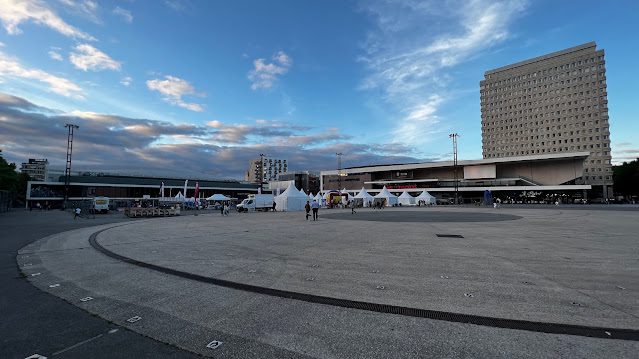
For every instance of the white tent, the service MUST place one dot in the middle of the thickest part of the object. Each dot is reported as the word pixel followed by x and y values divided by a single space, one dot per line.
pixel 365 196
pixel 426 197
pixel 179 196
pixel 344 193
pixel 318 198
pixel 389 198
pixel 406 199
pixel 218 197
pixel 291 200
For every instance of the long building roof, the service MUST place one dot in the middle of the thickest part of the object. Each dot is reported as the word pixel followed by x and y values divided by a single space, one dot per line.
pixel 487 161
pixel 156 182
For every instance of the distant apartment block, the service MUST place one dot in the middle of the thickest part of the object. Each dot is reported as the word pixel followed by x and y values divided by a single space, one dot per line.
pixel 37 169
pixel 267 169
pixel 550 104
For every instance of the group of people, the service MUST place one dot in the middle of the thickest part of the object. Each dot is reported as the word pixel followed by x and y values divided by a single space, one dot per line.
pixel 314 207
pixel 224 209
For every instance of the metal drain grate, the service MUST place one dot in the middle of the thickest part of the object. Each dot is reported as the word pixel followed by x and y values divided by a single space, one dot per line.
pixel 449 235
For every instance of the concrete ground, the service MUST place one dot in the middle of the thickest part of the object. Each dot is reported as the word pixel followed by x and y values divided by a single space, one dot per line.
pixel 552 265
pixel 35 322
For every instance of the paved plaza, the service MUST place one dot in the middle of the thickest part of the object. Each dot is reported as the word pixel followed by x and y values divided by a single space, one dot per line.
pixel 192 281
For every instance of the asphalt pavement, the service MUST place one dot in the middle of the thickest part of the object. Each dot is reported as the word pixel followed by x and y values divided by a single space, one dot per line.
pixel 35 322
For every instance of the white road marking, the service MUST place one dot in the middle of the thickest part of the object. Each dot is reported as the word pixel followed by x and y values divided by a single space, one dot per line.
pixel 214 344
pixel 134 319
pixel 77 345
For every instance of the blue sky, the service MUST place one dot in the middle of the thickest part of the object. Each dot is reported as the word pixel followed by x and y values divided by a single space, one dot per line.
pixel 199 87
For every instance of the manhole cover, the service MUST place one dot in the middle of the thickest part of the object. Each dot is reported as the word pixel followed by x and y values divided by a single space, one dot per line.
pixel 449 235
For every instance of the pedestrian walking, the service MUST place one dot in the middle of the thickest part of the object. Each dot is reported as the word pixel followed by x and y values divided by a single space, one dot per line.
pixel 307 208
pixel 222 208
pixel 315 207
pixel 353 207
pixel 77 213
pixel 226 209
pixel 274 210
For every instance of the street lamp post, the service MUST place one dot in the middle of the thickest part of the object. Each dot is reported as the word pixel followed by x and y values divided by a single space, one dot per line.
pixel 339 171
pixel 454 136
pixel 67 171
pixel 261 170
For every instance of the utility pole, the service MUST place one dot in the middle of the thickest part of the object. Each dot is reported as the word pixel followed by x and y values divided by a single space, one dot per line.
pixel 454 137
pixel 67 171
pixel 339 171
pixel 261 170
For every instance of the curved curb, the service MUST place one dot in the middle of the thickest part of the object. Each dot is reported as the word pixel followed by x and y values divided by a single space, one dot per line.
pixel 540 327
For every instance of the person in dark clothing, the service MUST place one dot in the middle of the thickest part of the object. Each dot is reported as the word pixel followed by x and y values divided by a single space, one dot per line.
pixel 307 208
pixel 274 210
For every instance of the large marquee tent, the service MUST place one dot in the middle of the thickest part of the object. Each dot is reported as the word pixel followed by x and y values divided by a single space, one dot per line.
pixel 389 198
pixel 426 197
pixel 365 197
pixel 406 199
pixel 291 200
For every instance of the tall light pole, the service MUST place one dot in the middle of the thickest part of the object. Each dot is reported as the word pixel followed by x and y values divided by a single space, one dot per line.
pixel 67 171
pixel 261 170
pixel 339 171
pixel 454 138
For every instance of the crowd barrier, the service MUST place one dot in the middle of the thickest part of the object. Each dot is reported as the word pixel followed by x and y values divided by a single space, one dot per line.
pixel 151 212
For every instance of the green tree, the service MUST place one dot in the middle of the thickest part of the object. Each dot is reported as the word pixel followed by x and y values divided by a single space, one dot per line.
pixel 12 181
pixel 626 178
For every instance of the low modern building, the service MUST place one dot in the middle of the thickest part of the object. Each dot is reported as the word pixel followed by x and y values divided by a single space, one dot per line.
pixel 549 174
pixel 128 188
pixel 37 169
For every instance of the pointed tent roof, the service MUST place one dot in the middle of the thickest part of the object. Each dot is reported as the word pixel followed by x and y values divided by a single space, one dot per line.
pixel 384 193
pixel 318 197
pixel 364 194
pixel 292 192
pixel 406 195
pixel 179 195
pixel 425 195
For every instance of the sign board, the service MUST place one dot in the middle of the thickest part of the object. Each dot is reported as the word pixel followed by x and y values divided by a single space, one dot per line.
pixel 480 171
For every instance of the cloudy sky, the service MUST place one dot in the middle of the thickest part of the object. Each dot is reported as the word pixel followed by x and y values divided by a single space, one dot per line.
pixel 197 88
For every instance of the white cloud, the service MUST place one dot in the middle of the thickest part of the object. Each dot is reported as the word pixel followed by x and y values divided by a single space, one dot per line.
pixel 176 5
pixel 411 63
pixel 55 55
pixel 86 9
pixel 15 12
pixel 11 67
pixel 125 14
pixel 264 74
pixel 126 81
pixel 173 89
pixel 86 57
